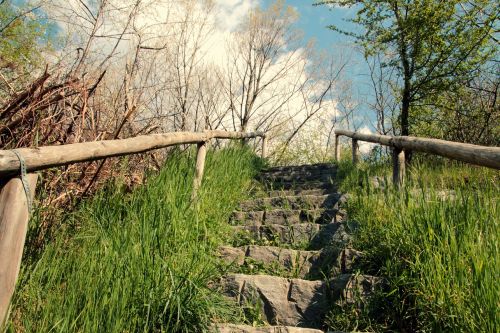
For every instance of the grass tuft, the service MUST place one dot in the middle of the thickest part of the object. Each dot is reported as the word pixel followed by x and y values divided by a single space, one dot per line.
pixel 435 241
pixel 140 261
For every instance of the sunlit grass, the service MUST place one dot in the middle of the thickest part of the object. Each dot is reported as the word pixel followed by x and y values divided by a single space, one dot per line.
pixel 141 261
pixel 435 241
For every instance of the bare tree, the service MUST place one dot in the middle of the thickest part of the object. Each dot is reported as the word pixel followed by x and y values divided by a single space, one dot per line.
pixel 384 103
pixel 264 52
pixel 316 91
pixel 184 61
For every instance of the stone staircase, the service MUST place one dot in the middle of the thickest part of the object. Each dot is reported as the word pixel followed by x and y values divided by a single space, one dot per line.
pixel 291 259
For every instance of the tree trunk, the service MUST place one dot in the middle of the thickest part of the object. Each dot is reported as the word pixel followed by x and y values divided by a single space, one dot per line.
pixel 405 113
pixel 405 110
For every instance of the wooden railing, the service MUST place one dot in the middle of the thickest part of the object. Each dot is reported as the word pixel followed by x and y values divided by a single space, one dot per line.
pixel 474 154
pixel 18 182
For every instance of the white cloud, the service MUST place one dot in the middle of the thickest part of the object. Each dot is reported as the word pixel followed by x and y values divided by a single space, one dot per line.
pixel 365 147
pixel 230 13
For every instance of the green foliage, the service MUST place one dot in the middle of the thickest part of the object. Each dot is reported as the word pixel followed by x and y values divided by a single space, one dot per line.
pixel 435 242
pixel 360 315
pixel 253 267
pixel 432 45
pixel 141 261
pixel 20 32
pixel 467 113
pixel 253 312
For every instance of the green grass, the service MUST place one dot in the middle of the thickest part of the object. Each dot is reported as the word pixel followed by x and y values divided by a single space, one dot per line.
pixel 437 250
pixel 141 261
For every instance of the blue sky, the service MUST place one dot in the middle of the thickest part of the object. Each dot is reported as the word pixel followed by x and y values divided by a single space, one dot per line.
pixel 313 21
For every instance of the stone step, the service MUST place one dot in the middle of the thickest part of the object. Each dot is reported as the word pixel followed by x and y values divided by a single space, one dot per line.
pixel 272 259
pixel 285 216
pixel 277 174
pixel 325 182
pixel 232 328
pixel 289 302
pixel 291 263
pixel 292 202
pixel 312 235
pixel 299 177
pixel 296 302
pixel 301 168
pixel 292 192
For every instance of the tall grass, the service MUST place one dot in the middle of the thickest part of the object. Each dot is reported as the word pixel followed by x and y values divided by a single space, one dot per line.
pixel 140 261
pixel 435 241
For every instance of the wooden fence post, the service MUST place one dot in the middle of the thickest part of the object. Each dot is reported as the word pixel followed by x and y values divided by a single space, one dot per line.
pixel 398 166
pixel 264 147
pixel 337 148
pixel 14 218
pixel 355 151
pixel 200 166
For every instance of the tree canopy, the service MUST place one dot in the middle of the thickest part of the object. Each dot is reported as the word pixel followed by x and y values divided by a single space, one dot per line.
pixel 20 31
pixel 433 45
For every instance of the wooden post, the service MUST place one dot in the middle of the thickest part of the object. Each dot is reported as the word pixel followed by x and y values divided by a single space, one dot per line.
pixel 14 218
pixel 264 147
pixel 200 166
pixel 355 151
pixel 337 148
pixel 398 166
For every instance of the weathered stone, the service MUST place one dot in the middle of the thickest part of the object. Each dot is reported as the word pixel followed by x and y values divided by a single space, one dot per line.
pixel 317 184
pixel 297 173
pixel 341 216
pixel 294 173
pixel 353 288
pixel 309 175
pixel 247 218
pixel 280 193
pixel 308 263
pixel 300 168
pixel 285 216
pixel 247 231
pixel 297 263
pixel 317 235
pixel 292 302
pixel 232 255
pixel 291 202
pixel 340 238
pixel 344 197
pixel 271 255
pixel 348 259
pixel 231 328
pixel 324 236
pixel 282 216
pixel 291 234
pixel 321 216
pixel 336 261
pixel 317 201
pixel 311 299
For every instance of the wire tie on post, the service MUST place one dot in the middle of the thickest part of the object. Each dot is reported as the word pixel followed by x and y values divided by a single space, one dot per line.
pixel 24 180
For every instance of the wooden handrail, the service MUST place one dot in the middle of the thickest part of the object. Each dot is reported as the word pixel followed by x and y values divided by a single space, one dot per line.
pixel 465 152
pixel 51 156
pixel 14 212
